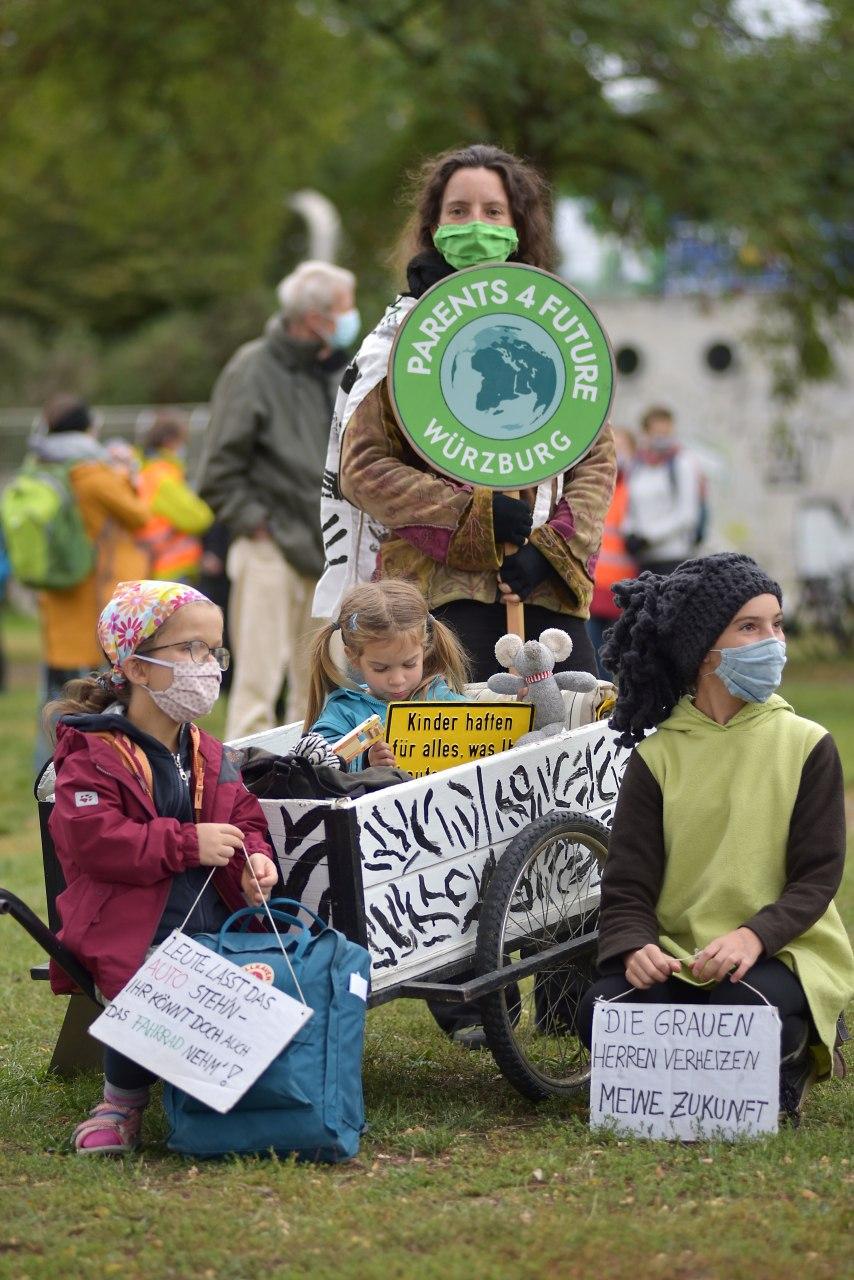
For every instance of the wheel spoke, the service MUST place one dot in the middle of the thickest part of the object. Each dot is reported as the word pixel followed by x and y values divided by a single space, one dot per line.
pixel 552 898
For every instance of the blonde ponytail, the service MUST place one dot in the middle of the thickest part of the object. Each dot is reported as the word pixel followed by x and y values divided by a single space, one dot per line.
pixel 444 656
pixel 325 675
pixel 87 695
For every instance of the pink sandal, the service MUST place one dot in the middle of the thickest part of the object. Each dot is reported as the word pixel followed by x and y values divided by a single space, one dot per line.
pixel 110 1130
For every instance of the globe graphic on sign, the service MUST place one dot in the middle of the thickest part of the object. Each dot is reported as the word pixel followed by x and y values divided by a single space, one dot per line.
pixel 502 377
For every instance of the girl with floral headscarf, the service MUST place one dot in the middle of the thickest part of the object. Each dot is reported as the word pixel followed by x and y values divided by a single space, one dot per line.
pixel 146 805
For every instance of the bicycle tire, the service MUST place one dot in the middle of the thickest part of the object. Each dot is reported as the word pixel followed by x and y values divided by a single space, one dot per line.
pixel 531 1034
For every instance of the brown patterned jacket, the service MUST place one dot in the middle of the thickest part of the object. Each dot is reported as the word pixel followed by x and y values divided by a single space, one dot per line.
pixel 441 534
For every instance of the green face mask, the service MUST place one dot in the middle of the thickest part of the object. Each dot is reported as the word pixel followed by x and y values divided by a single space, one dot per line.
pixel 467 244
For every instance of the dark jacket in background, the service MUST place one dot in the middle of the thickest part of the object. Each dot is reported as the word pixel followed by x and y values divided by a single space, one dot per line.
pixel 266 443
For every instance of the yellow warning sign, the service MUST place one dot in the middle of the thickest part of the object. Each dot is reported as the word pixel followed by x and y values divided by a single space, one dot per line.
pixel 428 736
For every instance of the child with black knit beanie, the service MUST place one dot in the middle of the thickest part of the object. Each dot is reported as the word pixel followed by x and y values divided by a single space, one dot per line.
pixel 728 841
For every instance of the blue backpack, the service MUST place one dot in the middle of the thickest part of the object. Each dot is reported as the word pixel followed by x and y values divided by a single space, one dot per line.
pixel 309 1100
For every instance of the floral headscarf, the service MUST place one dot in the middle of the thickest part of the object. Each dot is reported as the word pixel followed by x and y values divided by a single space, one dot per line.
pixel 135 612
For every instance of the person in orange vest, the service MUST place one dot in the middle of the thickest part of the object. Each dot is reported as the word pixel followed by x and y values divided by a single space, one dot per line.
pixel 614 560
pixel 112 514
pixel 172 536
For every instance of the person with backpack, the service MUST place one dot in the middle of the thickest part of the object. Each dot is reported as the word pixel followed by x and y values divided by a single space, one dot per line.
pixel 147 807
pixel 666 515
pixel 69 520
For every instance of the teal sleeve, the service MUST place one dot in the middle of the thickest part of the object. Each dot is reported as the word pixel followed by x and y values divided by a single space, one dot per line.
pixel 441 691
pixel 335 720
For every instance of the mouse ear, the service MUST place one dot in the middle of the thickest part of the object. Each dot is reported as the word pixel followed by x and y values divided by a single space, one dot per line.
pixel 506 649
pixel 558 641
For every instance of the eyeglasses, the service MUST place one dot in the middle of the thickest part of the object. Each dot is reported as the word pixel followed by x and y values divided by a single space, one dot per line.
pixel 198 651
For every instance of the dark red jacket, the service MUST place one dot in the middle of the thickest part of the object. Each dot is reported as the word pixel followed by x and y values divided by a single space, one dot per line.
pixel 118 856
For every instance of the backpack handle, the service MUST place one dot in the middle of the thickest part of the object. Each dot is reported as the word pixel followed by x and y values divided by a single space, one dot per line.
pixel 245 913
pixel 274 906
pixel 300 906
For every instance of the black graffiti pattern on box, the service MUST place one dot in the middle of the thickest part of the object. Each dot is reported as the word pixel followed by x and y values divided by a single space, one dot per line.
pixel 299 838
pixel 426 849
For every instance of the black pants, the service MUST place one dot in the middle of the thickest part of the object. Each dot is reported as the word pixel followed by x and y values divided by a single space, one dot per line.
pixel 777 984
pixel 478 626
pixel 123 1073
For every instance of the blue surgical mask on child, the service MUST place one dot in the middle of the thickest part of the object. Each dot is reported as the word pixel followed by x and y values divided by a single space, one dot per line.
pixel 752 671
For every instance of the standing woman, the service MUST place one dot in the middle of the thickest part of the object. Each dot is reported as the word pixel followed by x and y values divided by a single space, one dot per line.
pixel 387 513
pixel 728 842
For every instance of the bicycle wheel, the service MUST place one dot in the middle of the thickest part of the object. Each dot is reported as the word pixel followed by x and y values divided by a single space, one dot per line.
pixel 544 890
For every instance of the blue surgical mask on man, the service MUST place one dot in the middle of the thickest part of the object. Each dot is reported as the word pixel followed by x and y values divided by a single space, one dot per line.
pixel 752 671
pixel 346 331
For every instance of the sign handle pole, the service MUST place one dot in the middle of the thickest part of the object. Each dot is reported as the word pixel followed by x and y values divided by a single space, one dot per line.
pixel 516 611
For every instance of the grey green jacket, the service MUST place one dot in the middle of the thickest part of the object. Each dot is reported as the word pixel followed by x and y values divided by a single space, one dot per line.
pixel 266 443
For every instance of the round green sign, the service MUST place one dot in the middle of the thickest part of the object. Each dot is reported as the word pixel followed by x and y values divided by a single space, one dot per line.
pixel 501 376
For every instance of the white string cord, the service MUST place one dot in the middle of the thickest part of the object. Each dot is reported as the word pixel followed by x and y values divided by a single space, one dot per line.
pixel 269 917
pixel 630 991
pixel 756 992
pixel 273 926
pixel 198 899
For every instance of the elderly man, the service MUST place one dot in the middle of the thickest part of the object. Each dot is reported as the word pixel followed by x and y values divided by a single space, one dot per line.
pixel 261 472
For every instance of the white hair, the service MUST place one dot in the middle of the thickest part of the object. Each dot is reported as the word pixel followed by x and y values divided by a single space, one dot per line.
pixel 313 286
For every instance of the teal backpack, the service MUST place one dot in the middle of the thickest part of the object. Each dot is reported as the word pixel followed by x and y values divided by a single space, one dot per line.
pixel 308 1102
pixel 46 540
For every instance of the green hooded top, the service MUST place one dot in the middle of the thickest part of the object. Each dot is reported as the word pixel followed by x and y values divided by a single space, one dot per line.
pixel 748 819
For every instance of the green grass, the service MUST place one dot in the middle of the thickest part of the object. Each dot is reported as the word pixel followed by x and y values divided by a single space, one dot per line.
pixel 458 1176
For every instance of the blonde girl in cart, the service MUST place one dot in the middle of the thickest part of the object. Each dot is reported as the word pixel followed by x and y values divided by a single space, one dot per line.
pixel 395 651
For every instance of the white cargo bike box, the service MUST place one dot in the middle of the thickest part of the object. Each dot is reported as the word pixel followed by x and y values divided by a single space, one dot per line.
pixel 477 883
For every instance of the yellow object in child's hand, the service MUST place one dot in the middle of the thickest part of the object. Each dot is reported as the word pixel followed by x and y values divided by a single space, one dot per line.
pixel 359 739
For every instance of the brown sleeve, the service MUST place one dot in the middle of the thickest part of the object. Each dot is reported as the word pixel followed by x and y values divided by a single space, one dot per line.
pixel 815 854
pixel 634 868
pixel 381 475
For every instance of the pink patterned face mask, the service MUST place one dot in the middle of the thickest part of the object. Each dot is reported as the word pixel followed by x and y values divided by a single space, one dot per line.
pixel 193 691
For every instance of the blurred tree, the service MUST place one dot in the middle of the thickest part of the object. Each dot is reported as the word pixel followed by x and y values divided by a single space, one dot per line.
pixel 147 149
pixel 652 109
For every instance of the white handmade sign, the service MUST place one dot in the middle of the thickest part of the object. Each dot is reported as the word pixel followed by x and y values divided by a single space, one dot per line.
pixel 685 1071
pixel 200 1022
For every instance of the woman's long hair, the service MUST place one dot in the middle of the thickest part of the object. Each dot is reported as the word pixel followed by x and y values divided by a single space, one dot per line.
pixel 527 192
pixel 381 611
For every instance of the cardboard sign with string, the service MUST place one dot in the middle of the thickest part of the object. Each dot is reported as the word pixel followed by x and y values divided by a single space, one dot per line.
pixel 685 1072
pixel 502 376
pixel 199 1021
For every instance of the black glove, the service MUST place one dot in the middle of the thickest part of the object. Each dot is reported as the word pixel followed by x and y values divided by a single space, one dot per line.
pixel 512 520
pixel 635 544
pixel 524 569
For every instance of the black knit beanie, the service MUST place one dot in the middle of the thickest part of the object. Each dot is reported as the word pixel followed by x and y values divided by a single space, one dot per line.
pixel 667 627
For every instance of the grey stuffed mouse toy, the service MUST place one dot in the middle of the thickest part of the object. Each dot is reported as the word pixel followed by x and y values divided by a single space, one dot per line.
pixel 534 661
